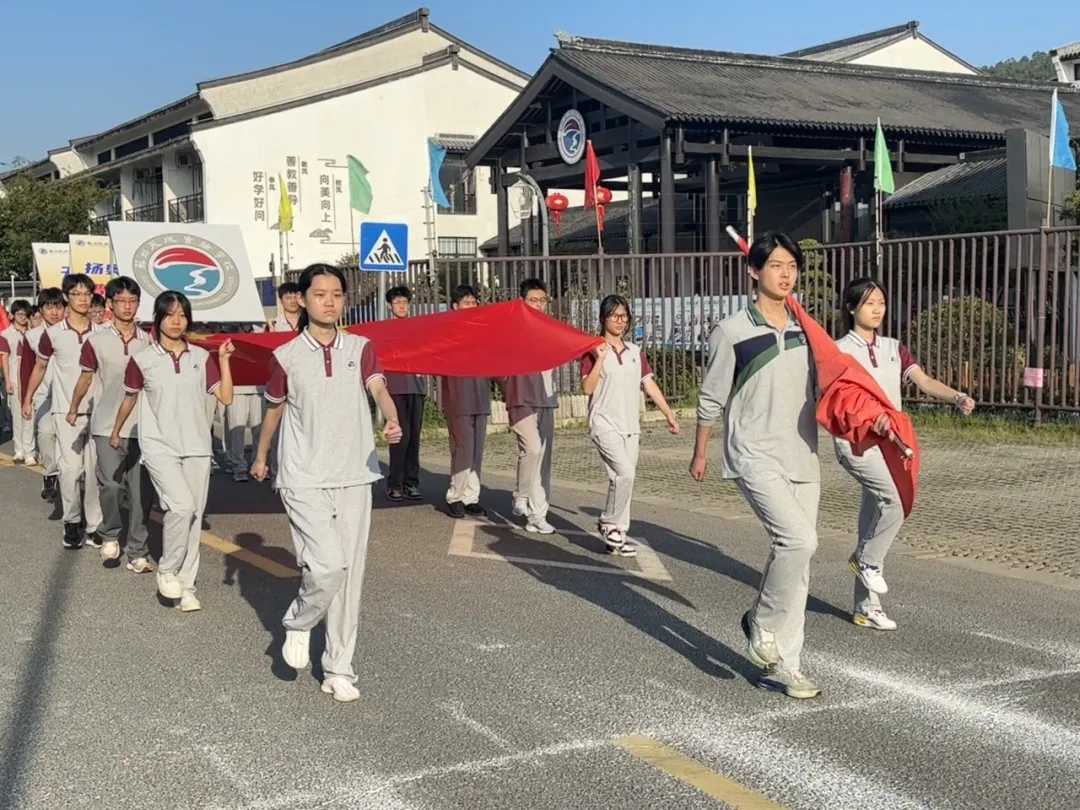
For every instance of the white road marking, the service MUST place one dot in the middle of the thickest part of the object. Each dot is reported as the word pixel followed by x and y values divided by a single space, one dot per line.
pixel 457 711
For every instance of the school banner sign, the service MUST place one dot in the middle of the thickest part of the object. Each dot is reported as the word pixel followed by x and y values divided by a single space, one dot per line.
pixel 52 261
pixel 92 255
pixel 207 263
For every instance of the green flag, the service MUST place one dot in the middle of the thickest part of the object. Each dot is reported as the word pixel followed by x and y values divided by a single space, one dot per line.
pixel 359 188
pixel 883 179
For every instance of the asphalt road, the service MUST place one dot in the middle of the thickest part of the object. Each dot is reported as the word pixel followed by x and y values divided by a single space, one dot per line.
pixel 503 670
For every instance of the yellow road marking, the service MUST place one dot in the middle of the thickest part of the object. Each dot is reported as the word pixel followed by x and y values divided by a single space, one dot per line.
pixel 695 774
pixel 211 540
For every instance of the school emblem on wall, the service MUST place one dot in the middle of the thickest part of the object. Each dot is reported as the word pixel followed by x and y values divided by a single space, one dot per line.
pixel 198 268
pixel 570 137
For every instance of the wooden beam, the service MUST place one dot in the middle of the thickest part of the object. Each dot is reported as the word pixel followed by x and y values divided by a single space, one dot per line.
pixel 780 154
pixel 558 173
pixel 604 140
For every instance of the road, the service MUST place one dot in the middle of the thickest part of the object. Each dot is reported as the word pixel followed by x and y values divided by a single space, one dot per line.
pixel 503 670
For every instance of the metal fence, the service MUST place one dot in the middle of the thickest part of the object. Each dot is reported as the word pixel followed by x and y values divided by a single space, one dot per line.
pixel 977 310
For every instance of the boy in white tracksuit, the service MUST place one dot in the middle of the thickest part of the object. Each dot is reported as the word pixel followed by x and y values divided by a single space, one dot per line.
pixel 10 366
pixel 51 312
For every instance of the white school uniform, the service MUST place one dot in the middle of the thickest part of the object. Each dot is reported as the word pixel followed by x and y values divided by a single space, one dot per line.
pixel 615 427
pixel 466 403
pixel 22 429
pixel 174 438
pixel 44 428
pixel 881 515
pixel 326 448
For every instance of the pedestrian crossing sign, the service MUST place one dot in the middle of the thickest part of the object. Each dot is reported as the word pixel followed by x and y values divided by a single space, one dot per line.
pixel 384 246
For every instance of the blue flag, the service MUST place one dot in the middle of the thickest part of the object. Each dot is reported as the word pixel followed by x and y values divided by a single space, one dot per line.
pixel 1061 155
pixel 436 156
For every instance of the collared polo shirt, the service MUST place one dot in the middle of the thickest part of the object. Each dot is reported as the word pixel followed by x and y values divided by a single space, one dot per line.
pixel 107 355
pixel 887 359
pixel 466 396
pixel 172 391
pixel 326 439
pixel 61 346
pixel 531 391
pixel 762 380
pixel 28 357
pixel 282 325
pixel 614 406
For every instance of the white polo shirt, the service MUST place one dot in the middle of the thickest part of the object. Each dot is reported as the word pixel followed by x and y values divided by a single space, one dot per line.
pixel 282 325
pixel 887 359
pixel 172 393
pixel 106 355
pixel 61 346
pixel 326 439
pixel 614 406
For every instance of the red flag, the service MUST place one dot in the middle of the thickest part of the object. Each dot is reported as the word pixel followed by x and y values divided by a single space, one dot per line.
pixel 592 183
pixel 5 322
pixel 851 401
pixel 500 340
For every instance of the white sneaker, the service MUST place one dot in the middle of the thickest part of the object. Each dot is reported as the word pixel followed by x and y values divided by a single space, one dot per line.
pixel 169 586
pixel 30 461
pixel 760 644
pixel 110 550
pixel 521 508
pixel 189 603
pixel 18 459
pixel 794 684
pixel 342 690
pixel 875 619
pixel 539 526
pixel 141 565
pixel 297 649
pixel 870 577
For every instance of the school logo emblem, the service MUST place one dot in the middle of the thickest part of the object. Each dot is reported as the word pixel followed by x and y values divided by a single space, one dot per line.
pixel 199 269
pixel 351 365
pixel 571 137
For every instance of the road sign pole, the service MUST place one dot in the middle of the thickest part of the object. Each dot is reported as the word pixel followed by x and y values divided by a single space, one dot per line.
pixel 380 305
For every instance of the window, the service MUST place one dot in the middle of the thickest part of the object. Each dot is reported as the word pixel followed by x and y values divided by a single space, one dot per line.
pixel 104 157
pixel 1076 72
pixel 451 247
pixel 131 147
pixel 169 133
pixel 459 184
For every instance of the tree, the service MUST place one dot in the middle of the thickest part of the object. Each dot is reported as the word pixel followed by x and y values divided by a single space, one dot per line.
pixel 36 211
pixel 1034 68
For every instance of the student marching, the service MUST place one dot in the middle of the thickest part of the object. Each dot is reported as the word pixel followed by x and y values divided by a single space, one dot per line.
pixel 37 404
pixel 22 429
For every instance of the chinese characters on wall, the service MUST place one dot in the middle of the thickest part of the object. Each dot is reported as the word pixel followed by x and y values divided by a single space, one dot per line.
pixel 320 211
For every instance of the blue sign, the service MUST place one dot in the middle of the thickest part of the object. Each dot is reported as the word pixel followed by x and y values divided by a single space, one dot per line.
pixel 384 246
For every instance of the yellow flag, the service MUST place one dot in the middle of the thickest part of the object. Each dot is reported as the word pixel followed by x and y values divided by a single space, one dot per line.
pixel 751 182
pixel 284 208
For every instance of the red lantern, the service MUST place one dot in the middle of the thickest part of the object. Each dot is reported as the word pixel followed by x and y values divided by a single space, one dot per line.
pixel 557 203
pixel 603 197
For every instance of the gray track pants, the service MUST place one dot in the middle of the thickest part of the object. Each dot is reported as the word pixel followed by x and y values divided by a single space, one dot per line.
pixel 182 485
pixel 788 512
pixel 880 517
pixel 535 430
pixel 119 472
pixel 467 437
pixel 330 529
pixel 620 456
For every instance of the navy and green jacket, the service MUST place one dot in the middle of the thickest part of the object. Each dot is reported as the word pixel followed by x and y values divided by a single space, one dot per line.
pixel 762 380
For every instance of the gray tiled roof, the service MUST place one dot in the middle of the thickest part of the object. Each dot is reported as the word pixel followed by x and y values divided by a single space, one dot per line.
pixel 963 181
pixel 454 143
pixel 842 50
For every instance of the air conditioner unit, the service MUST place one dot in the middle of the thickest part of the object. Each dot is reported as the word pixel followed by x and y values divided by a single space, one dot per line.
pixel 143 175
pixel 185 160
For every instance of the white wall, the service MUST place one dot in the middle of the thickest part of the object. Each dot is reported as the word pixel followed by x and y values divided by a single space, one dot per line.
pixel 914 54
pixel 386 127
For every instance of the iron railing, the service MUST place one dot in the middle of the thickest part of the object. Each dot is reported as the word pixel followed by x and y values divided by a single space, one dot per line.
pixel 186 209
pixel 155 212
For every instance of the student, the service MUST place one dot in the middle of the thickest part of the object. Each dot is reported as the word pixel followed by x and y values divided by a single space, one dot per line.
pixel 22 429
pixel 614 375
pixel 530 403
pixel 289 296
pixel 60 351
pixel 50 308
pixel 408 392
pixel 891 364
pixel 169 381
pixel 36 318
pixel 317 393
pixel 760 375
pixel 104 361
pixel 466 403
pixel 97 309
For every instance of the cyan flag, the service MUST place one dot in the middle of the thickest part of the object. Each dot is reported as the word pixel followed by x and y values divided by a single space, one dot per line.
pixel 1061 155
pixel 436 156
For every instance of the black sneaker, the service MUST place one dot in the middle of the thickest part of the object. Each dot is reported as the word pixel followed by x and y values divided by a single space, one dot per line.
pixel 457 509
pixel 73 535
pixel 50 488
pixel 412 492
pixel 476 510
pixel 394 494
pixel 91 539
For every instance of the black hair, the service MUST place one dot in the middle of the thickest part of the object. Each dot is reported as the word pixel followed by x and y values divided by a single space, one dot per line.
pixel 77 280
pixel 98 300
pixel 769 241
pixel 608 307
pixel 855 295
pixel 164 304
pixel 122 284
pixel 21 305
pixel 34 310
pixel 398 292
pixel 287 287
pixel 50 295
pixel 304 284
pixel 461 292
pixel 531 284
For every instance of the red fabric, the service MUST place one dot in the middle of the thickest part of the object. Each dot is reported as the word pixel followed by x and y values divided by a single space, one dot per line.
pixel 5 322
pixel 851 401
pixel 499 340
pixel 592 175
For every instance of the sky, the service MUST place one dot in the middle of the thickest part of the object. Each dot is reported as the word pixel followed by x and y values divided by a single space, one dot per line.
pixel 79 68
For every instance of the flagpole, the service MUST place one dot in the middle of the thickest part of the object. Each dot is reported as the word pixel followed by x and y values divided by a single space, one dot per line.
pixel 1050 162
pixel 879 230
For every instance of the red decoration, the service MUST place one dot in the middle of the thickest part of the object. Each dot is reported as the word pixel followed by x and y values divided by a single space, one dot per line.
pixel 603 197
pixel 557 203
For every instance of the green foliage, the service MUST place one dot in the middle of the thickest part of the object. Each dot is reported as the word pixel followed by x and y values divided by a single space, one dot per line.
pixel 33 211
pixel 817 287
pixel 678 373
pixel 1034 68
pixel 1071 211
